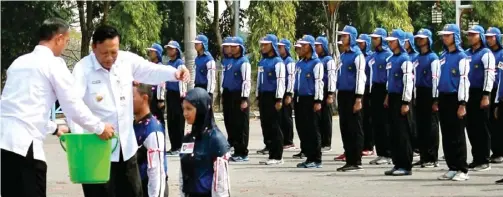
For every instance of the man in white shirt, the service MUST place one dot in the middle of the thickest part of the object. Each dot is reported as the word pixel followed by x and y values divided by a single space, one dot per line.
pixel 34 82
pixel 104 81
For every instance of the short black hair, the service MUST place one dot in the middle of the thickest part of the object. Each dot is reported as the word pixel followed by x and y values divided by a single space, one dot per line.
pixel 104 32
pixel 52 27
pixel 144 89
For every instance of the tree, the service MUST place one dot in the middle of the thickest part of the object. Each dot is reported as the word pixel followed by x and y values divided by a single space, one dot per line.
pixel 489 13
pixel 138 23
pixel 420 14
pixel 275 17
pixel 386 14
pixel 90 13
pixel 20 23
pixel 311 19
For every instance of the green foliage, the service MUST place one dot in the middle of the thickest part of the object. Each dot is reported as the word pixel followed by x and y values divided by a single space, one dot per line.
pixel 386 14
pixel 489 13
pixel 275 17
pixel 172 21
pixel 311 19
pixel 138 23
pixel 20 23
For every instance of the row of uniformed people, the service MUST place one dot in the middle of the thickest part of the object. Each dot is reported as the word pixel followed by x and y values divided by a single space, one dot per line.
pixel 399 75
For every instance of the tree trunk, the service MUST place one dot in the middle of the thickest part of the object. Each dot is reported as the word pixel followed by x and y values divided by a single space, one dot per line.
pixel 84 49
pixel 216 29
pixel 106 8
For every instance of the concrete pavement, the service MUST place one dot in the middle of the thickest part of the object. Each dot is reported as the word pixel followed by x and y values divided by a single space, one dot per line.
pixel 253 180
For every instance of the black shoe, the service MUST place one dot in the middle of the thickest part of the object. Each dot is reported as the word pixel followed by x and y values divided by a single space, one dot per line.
pixel 417 164
pixel 349 168
pixel 298 156
pixel 497 159
pixel 499 182
pixel 472 165
pixel 264 151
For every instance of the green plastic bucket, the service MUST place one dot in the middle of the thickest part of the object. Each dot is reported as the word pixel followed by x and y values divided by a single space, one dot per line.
pixel 88 157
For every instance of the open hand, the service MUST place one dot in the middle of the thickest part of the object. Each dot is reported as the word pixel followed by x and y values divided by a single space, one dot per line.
pixel 288 100
pixel 278 105
pixel 386 104
pixel 317 107
pixel 357 106
pixel 405 109
pixel 330 99
pixel 484 103
pixel 244 105
pixel 434 108
pixel 461 111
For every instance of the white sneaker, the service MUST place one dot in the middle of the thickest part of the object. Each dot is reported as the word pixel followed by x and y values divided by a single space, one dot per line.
pixel 272 162
pixel 448 175
pixel 461 176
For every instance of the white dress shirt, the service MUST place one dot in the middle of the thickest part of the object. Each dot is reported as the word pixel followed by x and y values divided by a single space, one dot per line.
pixel 109 94
pixel 34 82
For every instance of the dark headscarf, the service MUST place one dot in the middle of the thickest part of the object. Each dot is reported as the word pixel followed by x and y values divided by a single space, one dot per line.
pixel 201 100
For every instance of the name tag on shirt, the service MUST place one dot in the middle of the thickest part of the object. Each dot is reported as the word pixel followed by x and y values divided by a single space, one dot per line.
pixel 260 69
pixel 415 64
pixel 96 82
pixel 187 148
pixel 500 65
pixel 388 65
pixel 442 61
pixel 372 61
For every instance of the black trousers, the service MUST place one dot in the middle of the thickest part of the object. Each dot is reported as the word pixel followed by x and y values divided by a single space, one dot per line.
pixel 400 133
pixel 453 132
pixel 237 122
pixel 157 111
pixel 326 122
pixel 270 123
pixel 176 121
pixel 307 122
pixel 124 181
pixel 477 127
pixel 351 128
pixel 380 124
pixel 495 127
pixel 413 124
pixel 427 125
pixel 368 136
pixel 198 195
pixel 287 123
pixel 23 176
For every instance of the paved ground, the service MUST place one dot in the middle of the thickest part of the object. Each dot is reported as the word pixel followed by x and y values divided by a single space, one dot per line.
pixel 253 180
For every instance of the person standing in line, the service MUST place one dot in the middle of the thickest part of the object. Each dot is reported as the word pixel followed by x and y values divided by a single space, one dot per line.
pixel 378 73
pixel 157 105
pixel 227 61
pixel 308 97
pixel 205 66
pixel 270 93
pixel 150 138
pixel 411 49
pixel 482 64
pixel 287 110
pixel 450 93
pixel 368 142
pixel 25 105
pixel 301 154
pixel 174 97
pixel 237 86
pixel 400 86
pixel 427 120
pixel 498 114
pixel 104 80
pixel 493 39
pixel 329 92
pixel 350 89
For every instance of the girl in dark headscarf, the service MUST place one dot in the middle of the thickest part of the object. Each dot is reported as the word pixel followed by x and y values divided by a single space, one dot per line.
pixel 205 152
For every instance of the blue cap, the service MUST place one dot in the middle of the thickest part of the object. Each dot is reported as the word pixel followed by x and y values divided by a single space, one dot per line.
pixel 493 31
pixel 273 40
pixel 400 35
pixel 308 39
pixel 450 29
pixel 477 29
pixel 425 33
pixel 175 45
pixel 158 50
pixel 285 42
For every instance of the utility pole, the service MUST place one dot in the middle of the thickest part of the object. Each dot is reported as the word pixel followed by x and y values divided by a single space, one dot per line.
pixel 236 18
pixel 459 11
pixel 189 8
